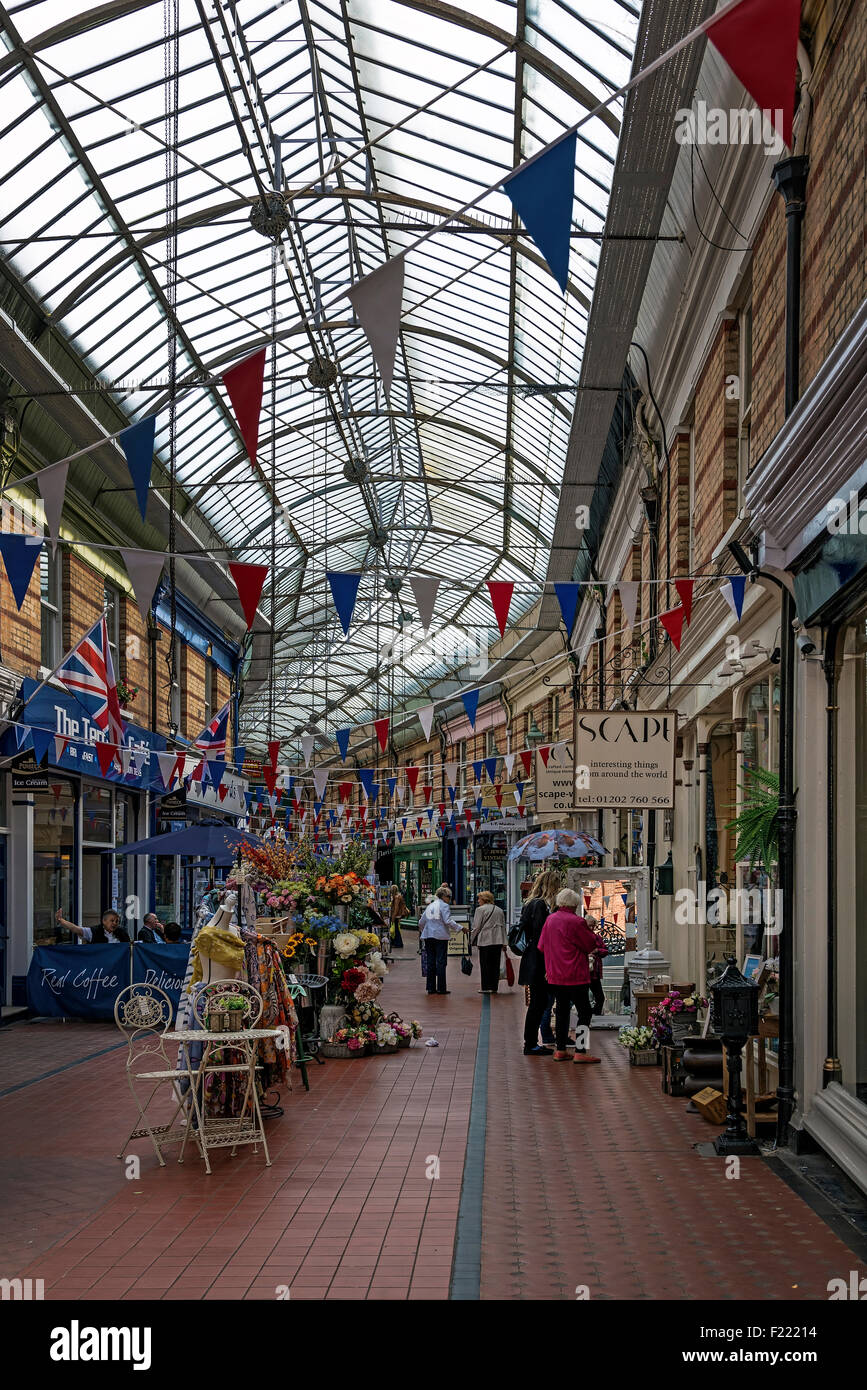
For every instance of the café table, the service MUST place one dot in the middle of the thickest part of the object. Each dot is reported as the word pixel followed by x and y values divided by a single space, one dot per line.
pixel 242 1128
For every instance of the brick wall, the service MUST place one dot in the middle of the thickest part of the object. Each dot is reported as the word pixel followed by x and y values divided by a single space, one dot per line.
pixel 676 556
pixel 716 445
pixel 834 257
pixel 222 689
pixel 83 598
pixel 134 646
pixel 192 691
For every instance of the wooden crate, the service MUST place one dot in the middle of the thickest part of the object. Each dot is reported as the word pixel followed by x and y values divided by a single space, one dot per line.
pixel 643 1057
pixel 673 1074
pixel 711 1104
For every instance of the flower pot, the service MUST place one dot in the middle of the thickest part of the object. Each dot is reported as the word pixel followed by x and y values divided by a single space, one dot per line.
pixel 682 1025
pixel 381 1048
pixel 404 1042
pixel 225 1020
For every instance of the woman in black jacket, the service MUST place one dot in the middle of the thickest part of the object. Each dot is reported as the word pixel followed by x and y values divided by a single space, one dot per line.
pixel 536 910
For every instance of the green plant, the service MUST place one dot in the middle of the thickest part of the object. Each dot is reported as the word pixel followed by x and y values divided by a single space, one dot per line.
pixel 758 825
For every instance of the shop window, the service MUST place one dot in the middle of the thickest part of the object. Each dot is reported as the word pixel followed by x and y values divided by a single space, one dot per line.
pixel 461 758
pixel 553 717
pixel 852 861
pixel 97 811
pixel 50 591
pixel 53 851
pixel 165 883
pixel 720 808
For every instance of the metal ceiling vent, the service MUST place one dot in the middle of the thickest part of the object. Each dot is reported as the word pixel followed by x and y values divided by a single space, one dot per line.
pixel 269 216
pixel 322 372
pixel 377 539
pixel 355 469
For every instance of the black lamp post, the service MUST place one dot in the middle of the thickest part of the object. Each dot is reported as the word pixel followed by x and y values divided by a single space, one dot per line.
pixel 735 1018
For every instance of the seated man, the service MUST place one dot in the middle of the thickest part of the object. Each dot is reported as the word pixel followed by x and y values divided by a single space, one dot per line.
pixel 151 929
pixel 108 932
pixel 172 932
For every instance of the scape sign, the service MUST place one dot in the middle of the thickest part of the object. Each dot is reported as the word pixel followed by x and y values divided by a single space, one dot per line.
pixel 625 758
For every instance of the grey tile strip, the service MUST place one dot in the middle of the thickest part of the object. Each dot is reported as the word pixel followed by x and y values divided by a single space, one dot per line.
pixel 67 1066
pixel 467 1265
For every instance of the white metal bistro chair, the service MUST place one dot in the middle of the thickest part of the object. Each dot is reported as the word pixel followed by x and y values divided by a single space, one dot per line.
pixel 228 1132
pixel 144 1014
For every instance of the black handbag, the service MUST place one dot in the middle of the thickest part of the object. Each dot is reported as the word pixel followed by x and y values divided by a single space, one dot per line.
pixel 466 965
pixel 518 942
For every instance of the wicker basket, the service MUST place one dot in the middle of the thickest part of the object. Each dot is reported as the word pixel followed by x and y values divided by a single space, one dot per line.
pixel 404 1042
pixel 683 1025
pixel 644 1057
pixel 340 1050
pixel 381 1048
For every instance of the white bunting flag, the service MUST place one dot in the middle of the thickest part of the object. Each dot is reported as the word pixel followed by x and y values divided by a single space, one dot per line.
pixel 400 792
pixel 320 781
pixel 377 301
pixel 52 485
pixel 628 590
pixel 425 591
pixel 307 747
pixel 451 770
pixel 167 763
pixel 144 570
pixel 125 759
pixel 426 719
pixel 509 763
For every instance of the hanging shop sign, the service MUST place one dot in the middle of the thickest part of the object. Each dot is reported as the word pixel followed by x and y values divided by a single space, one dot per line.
pixel 554 785
pixel 173 806
pixel 625 758
pixel 64 716
pixel 28 776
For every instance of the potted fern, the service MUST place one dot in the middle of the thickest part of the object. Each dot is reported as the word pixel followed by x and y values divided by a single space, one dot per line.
pixel 758 825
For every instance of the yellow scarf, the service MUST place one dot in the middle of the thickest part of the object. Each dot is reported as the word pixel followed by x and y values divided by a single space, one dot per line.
pixel 216 944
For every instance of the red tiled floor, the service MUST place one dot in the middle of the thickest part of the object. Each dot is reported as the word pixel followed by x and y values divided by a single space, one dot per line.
pixel 591 1178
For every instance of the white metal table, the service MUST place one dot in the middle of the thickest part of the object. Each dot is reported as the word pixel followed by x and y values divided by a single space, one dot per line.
pixel 242 1128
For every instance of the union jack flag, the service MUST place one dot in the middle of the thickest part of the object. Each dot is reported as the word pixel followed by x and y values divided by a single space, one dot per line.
pixel 88 672
pixel 212 739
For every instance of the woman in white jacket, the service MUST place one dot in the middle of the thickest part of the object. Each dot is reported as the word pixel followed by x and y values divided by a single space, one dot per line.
pixel 436 925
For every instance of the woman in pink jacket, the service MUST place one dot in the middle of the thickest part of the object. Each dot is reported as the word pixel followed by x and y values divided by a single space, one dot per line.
pixel 567 944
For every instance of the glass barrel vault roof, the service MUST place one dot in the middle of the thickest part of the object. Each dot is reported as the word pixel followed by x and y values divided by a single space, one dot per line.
pixel 463 464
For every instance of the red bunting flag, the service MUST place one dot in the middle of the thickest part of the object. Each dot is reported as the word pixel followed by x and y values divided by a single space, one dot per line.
pixel 222 792
pixel 243 383
pixel 273 752
pixel 381 727
pixel 684 589
pixel 270 778
pixel 544 754
pixel 105 753
pixel 344 791
pixel 759 41
pixel 249 581
pixel 501 597
pixel 56 789
pixel 526 758
pixel 498 795
pixel 412 778
pixel 427 794
pixel 442 808
pixel 672 621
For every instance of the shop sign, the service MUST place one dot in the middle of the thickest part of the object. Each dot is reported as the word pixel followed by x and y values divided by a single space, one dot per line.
pixel 61 713
pixel 173 806
pixel 554 785
pixel 625 758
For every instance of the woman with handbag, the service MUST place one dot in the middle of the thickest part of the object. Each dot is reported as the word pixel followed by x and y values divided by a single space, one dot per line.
pixel 597 990
pixel 489 934
pixel 536 909
pixel 436 925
